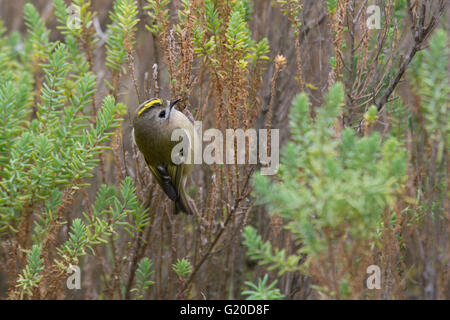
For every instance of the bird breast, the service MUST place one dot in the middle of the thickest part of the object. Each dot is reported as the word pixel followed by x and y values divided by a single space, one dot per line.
pixel 155 140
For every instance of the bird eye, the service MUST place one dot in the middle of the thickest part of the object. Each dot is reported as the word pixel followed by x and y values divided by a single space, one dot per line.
pixel 162 114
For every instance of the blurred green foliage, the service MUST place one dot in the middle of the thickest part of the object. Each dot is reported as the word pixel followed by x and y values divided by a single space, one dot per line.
pixel 143 274
pixel 262 290
pixel 182 268
pixel 331 186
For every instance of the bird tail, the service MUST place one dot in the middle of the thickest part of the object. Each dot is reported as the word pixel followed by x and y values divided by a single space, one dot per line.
pixel 182 204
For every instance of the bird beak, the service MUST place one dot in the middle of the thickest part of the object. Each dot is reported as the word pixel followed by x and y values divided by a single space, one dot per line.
pixel 172 104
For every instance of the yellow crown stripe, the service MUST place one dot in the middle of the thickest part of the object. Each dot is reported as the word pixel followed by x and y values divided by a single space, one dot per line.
pixel 149 105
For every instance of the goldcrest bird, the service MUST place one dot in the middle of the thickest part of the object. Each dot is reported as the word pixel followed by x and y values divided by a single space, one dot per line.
pixel 153 125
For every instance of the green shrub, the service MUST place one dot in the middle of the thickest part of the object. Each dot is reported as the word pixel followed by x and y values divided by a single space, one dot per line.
pixel 331 192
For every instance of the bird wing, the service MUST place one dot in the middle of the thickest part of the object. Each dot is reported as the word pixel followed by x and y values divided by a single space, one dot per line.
pixel 176 175
pixel 164 180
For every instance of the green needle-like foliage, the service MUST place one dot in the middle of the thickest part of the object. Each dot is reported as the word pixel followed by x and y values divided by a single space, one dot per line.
pixel 49 145
pixel 237 37
pixel 182 268
pixel 122 28
pixel 31 274
pixel 432 83
pixel 262 290
pixel 266 255
pixel 159 14
pixel 37 32
pixel 107 214
pixel 143 274
pixel 331 190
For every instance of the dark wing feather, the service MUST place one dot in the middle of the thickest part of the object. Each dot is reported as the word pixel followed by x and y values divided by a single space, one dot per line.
pixel 163 178
pixel 181 204
pixel 171 180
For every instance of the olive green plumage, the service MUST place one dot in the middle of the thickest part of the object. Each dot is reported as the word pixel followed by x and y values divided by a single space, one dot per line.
pixel 153 125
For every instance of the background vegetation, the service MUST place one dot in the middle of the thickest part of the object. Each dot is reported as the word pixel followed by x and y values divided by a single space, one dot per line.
pixel 364 124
